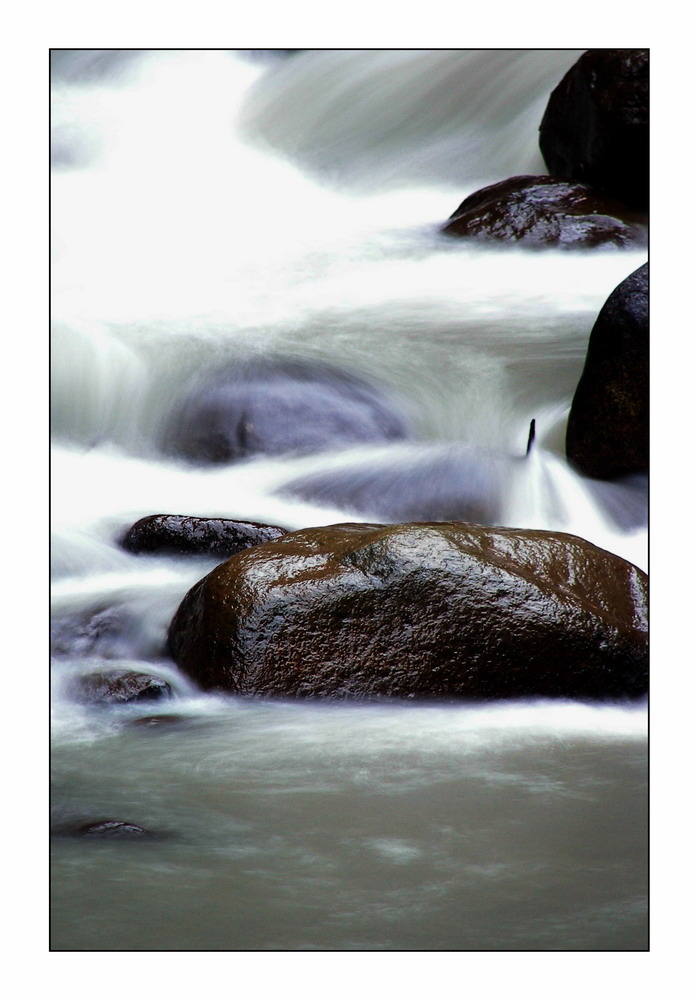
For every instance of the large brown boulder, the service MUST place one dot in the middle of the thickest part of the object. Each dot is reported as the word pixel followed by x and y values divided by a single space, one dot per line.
pixel 596 126
pixel 445 610
pixel 178 534
pixel 608 426
pixel 541 211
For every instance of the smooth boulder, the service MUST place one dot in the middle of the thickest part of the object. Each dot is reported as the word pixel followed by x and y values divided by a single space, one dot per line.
pixel 596 125
pixel 541 211
pixel 608 426
pixel 277 407
pixel 178 534
pixel 448 610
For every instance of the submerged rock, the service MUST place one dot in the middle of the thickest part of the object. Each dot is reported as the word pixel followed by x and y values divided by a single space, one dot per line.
pixel 448 610
pixel 608 426
pixel 545 211
pixel 116 632
pixel 84 632
pixel 109 829
pixel 114 687
pixel 160 721
pixel 463 484
pixel 274 407
pixel 177 534
pixel 596 126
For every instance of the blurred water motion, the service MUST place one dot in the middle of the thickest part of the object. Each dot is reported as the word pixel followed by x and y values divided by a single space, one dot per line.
pixel 209 208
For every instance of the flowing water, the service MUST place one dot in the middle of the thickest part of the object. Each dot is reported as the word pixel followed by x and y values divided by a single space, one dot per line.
pixel 213 206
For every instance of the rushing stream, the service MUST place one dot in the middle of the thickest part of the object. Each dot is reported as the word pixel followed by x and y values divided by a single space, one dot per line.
pixel 213 206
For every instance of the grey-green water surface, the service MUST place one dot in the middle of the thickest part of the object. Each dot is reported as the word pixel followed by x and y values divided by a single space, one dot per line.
pixel 294 827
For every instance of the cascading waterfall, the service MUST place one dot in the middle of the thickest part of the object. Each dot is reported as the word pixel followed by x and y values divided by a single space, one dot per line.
pixel 208 207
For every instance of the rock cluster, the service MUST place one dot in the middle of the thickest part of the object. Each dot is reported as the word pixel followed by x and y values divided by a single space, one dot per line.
pixel 448 609
pixel 453 609
pixel 594 138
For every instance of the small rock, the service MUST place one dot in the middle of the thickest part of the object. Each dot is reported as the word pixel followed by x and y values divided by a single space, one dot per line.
pixel 540 211
pixel 115 687
pixel 111 829
pixel 177 534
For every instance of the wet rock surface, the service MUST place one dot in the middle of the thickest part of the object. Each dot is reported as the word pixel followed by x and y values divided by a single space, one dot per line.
pixel 608 426
pixel 418 610
pixel 117 687
pixel 541 211
pixel 105 829
pixel 277 407
pixel 178 534
pixel 596 125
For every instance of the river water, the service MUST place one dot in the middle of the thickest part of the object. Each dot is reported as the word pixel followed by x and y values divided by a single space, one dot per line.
pixel 212 206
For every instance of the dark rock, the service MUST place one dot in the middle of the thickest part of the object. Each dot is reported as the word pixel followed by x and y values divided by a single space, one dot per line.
pixel 275 407
pixel 110 829
pixel 177 534
pixel 418 610
pixel 462 484
pixel 608 426
pixel 596 126
pixel 114 687
pixel 545 212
